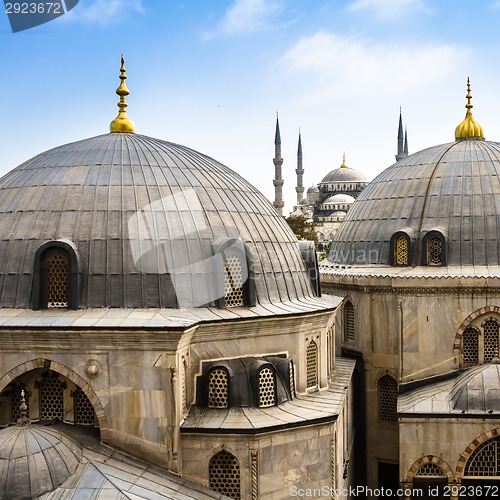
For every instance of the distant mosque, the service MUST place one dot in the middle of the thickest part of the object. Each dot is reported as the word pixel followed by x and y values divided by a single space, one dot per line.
pixel 326 204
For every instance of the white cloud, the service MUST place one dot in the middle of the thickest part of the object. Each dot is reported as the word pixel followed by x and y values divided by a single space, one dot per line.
pixel 105 11
pixel 495 5
pixel 388 9
pixel 247 16
pixel 330 65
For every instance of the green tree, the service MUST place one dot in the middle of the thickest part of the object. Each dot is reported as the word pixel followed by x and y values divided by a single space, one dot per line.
pixel 303 228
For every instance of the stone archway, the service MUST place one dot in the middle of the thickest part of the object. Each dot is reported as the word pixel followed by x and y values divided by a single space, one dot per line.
pixel 69 374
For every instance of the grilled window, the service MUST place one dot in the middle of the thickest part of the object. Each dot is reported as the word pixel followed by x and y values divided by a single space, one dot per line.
pixel 233 282
pixel 485 460
pixel 218 388
pixel 266 388
pixel 434 251
pixel 470 346
pixel 388 399
pixel 57 270
pixel 349 321
pixel 84 411
pixel 51 397
pixel 490 329
pixel 430 470
pixel 224 474
pixel 401 251
pixel 312 364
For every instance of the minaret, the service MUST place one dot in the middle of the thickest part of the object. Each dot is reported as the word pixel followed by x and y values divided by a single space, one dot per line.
pixel 401 140
pixel 405 151
pixel 278 180
pixel 300 172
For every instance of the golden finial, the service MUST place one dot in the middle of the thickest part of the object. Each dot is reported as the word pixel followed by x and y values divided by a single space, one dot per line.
pixel 122 123
pixel 343 162
pixel 469 129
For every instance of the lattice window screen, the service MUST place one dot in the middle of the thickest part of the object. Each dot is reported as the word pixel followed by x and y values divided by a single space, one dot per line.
pixel 388 399
pixel 51 397
pixel 15 402
pixel 470 346
pixel 218 388
pixel 349 321
pixel 401 251
pixel 430 469
pixel 434 251
pixel 84 411
pixel 266 388
pixel 312 364
pixel 490 329
pixel 233 282
pixel 224 474
pixel 57 267
pixel 485 460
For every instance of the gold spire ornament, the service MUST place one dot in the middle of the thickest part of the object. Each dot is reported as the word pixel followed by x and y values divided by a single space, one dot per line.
pixel 469 129
pixel 122 123
pixel 343 162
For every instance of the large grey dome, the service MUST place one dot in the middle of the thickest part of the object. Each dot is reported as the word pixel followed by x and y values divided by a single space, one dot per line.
pixel 131 208
pixel 452 190
pixel 344 174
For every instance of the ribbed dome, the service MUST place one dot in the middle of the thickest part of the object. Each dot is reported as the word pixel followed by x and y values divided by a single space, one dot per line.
pixel 34 461
pixel 477 390
pixel 135 209
pixel 453 188
pixel 339 198
pixel 344 174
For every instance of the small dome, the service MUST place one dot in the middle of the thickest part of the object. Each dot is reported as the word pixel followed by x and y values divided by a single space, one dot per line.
pixel 344 174
pixel 313 189
pixel 338 199
pixel 476 390
pixel 34 461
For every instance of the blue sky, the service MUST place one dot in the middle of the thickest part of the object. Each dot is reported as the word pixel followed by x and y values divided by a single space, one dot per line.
pixel 212 74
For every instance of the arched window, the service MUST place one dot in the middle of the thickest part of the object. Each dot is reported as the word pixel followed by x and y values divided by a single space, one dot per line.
pixel 233 281
pixel 84 411
pixel 470 346
pixel 267 387
pixel 434 251
pixel 430 469
pixel 485 460
pixel 312 364
pixel 51 397
pixel 401 251
pixel 490 334
pixel 218 388
pixel 55 276
pixel 224 474
pixel 349 322
pixel 387 399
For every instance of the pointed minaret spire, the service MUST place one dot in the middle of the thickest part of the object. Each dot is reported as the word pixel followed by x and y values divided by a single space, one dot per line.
pixel 278 180
pixel 300 172
pixel 405 150
pixel 400 154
